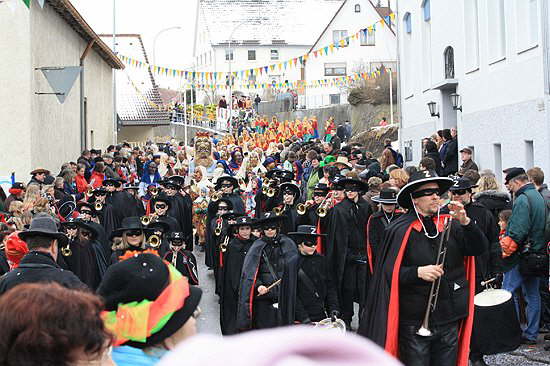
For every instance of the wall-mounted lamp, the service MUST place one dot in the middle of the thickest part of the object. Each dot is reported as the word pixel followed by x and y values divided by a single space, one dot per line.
pixel 456 102
pixel 432 106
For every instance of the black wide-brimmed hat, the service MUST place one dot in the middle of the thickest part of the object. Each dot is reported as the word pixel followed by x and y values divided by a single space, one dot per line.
pixel 243 221
pixel 178 179
pixel 387 196
pixel 170 182
pixel 226 201
pixel 321 187
pixel 145 277
pixel 305 230
pixel 176 235
pixel 462 184
pixel 81 204
pixel 292 187
pixel 418 179
pixel 161 197
pixel 43 224
pixel 231 216
pixel 227 178
pixel 131 223
pixel 336 181
pixel 131 186
pixel 115 182
pixel 280 174
pixel 159 225
pixel 269 218
pixel 346 182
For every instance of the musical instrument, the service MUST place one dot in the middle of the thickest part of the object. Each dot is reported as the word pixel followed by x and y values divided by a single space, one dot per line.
pixel 223 245
pixel 330 324
pixel 270 287
pixel 326 205
pixel 98 206
pixel 278 211
pixel 302 208
pixel 90 191
pixel 424 330
pixel 154 191
pixel 175 257
pixel 492 335
pixel 216 196
pixel 147 219
pixel 218 230
pixel 66 250
pixel 154 241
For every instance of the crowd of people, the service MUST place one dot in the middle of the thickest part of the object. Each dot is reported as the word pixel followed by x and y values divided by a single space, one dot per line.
pixel 295 229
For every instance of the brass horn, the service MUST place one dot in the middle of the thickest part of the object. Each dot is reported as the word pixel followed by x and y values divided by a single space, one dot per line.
pixel 154 191
pixel 302 208
pixel 215 197
pixel 90 191
pixel 278 211
pixel 98 206
pixel 145 220
pixel 271 192
pixel 322 212
pixel 66 251
pixel 154 241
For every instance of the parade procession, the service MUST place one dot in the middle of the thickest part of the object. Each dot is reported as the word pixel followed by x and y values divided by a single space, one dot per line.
pixel 290 183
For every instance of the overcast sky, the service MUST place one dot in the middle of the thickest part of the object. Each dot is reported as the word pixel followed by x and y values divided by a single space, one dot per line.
pixel 174 48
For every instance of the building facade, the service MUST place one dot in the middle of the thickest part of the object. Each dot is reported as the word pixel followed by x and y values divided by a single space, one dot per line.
pixel 241 35
pixel 485 66
pixel 375 48
pixel 37 130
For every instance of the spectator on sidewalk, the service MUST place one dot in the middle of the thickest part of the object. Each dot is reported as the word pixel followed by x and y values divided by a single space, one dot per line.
pixel 257 102
pixel 526 227
pixel 536 176
pixel 449 154
pixel 467 162
pixel 431 152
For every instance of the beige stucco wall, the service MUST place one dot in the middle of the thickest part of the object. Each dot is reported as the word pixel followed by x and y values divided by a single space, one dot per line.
pixel 15 89
pixel 135 133
pixel 36 130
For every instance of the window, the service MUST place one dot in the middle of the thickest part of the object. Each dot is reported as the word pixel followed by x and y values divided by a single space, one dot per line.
pixel 229 55
pixel 496 29
pixel 529 154
pixel 338 35
pixel 357 8
pixel 527 24
pixel 471 34
pixel 334 98
pixel 274 55
pixel 449 56
pixel 497 152
pixel 407 23
pixel 335 69
pixel 408 147
pixel 426 10
pixel 426 47
pixel 251 55
pixel 367 37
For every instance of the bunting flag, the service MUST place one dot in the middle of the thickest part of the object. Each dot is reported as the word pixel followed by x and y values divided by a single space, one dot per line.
pixel 242 74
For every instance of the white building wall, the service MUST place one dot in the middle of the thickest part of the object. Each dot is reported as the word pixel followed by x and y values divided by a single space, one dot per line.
pixel 357 58
pixel 15 90
pixel 502 97
pixel 38 131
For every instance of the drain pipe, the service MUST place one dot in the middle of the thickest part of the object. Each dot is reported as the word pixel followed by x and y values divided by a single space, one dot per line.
pixel 83 122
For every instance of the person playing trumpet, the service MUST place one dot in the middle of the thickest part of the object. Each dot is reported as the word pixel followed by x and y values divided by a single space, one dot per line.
pixel 184 260
pixel 134 237
pixel 399 294
pixel 290 193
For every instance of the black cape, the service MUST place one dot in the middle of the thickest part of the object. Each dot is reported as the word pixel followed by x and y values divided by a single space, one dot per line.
pixel 251 265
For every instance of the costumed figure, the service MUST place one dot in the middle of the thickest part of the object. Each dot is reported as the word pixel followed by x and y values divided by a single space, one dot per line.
pixel 133 236
pixel 261 276
pixel 203 154
pixel 184 260
pixel 308 293
pixel 420 299
pixel 290 193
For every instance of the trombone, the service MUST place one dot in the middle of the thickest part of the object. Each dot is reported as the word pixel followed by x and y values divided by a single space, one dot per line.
pixel 302 208
pixel 424 330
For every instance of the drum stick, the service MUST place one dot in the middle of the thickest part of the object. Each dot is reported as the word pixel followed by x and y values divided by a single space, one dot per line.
pixel 483 283
pixel 272 285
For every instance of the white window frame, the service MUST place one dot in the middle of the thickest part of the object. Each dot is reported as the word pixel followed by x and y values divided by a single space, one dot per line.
pixel 274 55
pixel 331 69
pixel 527 24
pixel 368 37
pixel 471 35
pixel 496 30
pixel 338 35
pixel 229 54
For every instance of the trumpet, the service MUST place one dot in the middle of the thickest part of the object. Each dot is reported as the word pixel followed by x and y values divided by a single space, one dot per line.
pixel 90 191
pixel 66 250
pixel 154 241
pixel 154 191
pixel 147 219
pixel 98 206
pixel 218 230
pixel 323 208
pixel 216 196
pixel 271 192
pixel 278 211
pixel 223 245
pixel 302 208
pixel 424 329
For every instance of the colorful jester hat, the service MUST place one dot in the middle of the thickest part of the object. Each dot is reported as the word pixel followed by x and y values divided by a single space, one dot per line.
pixel 146 300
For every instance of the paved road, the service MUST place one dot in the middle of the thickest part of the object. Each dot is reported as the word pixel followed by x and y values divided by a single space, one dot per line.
pixel 209 323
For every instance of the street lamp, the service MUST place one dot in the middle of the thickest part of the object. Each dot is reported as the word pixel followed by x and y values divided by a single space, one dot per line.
pixel 456 102
pixel 432 106
pixel 155 40
pixel 230 58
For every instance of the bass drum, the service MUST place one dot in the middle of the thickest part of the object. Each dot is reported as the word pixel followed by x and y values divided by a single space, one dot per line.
pixel 496 327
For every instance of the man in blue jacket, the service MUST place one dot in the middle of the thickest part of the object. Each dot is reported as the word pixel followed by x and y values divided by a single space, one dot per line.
pixel 526 226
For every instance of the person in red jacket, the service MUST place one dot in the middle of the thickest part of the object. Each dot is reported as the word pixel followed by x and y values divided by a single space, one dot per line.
pixel 80 179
